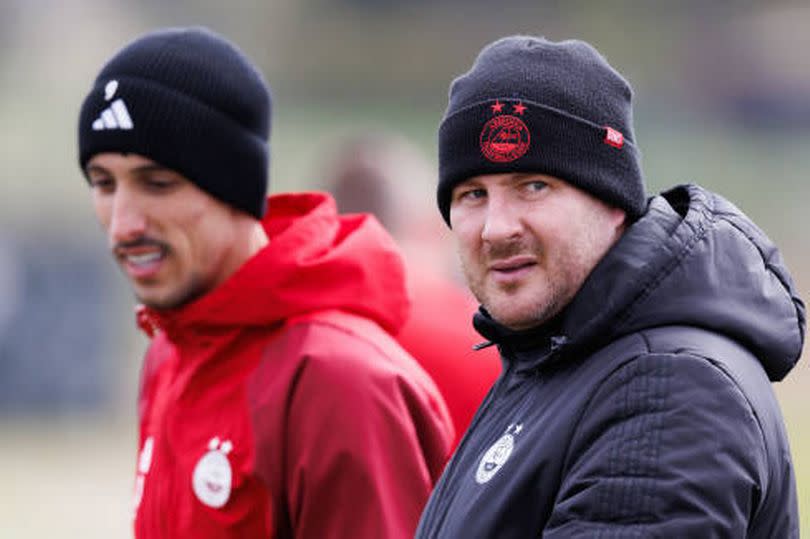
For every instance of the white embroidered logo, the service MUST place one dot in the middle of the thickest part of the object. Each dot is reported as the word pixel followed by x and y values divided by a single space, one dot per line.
pixel 144 463
pixel 497 455
pixel 212 475
pixel 116 116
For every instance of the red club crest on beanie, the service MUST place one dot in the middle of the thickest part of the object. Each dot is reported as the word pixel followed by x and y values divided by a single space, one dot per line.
pixel 505 138
pixel 533 105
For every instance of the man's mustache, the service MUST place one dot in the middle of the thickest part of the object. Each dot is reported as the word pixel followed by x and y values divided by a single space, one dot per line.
pixel 507 249
pixel 139 242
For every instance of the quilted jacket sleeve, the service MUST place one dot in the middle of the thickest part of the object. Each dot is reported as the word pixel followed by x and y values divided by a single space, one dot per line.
pixel 667 447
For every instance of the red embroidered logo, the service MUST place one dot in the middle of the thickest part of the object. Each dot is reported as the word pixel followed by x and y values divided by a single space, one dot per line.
pixel 613 138
pixel 505 138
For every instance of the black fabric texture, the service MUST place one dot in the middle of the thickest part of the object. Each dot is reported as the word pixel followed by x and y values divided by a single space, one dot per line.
pixel 568 98
pixel 198 106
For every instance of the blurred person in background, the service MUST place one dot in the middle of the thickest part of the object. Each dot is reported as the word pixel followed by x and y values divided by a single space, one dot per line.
pixel 384 174
pixel 640 335
pixel 274 401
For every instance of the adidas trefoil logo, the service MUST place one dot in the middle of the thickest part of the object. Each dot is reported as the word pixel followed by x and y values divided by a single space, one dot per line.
pixel 116 116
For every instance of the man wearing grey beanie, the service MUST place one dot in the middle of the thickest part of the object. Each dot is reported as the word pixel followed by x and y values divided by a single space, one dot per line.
pixel 639 335
pixel 274 401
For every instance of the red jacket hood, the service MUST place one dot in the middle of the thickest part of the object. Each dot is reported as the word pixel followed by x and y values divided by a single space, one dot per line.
pixel 315 260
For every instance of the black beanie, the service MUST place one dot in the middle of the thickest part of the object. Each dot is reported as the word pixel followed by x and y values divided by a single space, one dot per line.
pixel 191 101
pixel 533 105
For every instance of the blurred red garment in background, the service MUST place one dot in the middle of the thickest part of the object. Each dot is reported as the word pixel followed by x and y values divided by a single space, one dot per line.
pixel 387 176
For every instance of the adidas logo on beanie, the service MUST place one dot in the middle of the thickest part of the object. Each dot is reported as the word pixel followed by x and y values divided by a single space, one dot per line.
pixel 533 105
pixel 116 116
pixel 191 101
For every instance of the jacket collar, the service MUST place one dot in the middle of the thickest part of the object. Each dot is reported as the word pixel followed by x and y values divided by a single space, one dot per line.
pixel 316 260
pixel 528 349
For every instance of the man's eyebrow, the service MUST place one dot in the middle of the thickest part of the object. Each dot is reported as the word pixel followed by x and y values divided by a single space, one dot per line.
pixel 95 168
pixel 142 169
pixel 152 167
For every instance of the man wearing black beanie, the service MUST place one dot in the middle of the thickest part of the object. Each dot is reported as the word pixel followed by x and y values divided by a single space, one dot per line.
pixel 639 336
pixel 274 401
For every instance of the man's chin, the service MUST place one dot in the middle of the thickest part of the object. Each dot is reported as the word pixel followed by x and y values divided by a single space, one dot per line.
pixel 157 304
pixel 167 300
pixel 511 316
pixel 520 324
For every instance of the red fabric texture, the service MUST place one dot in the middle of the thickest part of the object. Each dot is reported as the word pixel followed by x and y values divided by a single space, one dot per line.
pixel 288 373
pixel 440 335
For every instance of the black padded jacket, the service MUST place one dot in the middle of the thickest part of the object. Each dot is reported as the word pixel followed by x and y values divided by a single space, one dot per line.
pixel 646 408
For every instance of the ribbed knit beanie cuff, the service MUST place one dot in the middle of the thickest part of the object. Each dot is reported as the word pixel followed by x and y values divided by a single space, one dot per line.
pixel 532 105
pixel 191 101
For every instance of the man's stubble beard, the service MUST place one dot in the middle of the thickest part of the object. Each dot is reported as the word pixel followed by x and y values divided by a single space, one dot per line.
pixel 189 293
pixel 545 309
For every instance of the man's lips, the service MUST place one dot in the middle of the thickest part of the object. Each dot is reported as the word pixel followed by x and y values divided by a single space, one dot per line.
pixel 510 271
pixel 141 259
pixel 513 263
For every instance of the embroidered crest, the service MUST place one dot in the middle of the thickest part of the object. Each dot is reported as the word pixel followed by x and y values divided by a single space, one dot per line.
pixel 497 455
pixel 212 475
pixel 505 138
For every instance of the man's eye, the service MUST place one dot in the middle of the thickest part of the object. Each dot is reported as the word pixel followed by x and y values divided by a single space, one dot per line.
pixel 160 185
pixel 472 194
pixel 102 184
pixel 536 185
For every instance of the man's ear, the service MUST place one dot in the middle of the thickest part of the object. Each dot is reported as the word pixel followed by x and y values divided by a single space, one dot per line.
pixel 618 219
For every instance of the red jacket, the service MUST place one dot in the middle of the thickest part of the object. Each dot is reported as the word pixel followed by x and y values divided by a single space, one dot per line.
pixel 440 335
pixel 279 405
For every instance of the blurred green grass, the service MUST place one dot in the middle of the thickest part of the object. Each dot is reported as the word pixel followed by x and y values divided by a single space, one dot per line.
pixel 793 396
pixel 66 478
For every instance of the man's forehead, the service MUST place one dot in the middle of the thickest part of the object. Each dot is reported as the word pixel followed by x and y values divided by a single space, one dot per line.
pixel 129 162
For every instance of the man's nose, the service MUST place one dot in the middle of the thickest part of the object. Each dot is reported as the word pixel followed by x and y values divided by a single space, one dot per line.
pixel 503 222
pixel 128 221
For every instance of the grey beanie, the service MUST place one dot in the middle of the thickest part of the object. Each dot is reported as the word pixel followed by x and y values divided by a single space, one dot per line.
pixel 533 105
